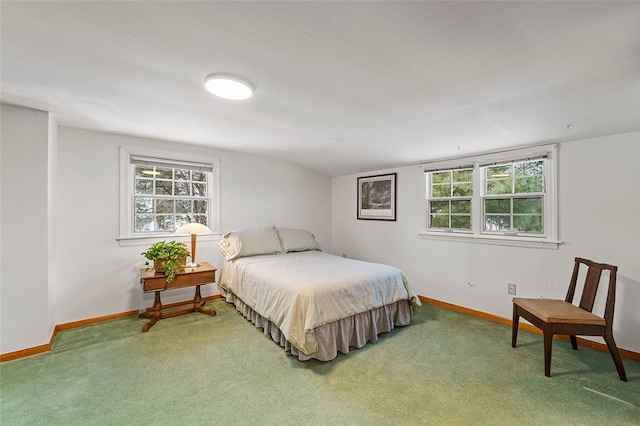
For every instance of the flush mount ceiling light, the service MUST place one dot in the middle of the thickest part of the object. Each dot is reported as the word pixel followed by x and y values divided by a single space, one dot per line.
pixel 228 86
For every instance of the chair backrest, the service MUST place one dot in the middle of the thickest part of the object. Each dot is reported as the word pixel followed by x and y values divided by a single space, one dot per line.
pixel 591 284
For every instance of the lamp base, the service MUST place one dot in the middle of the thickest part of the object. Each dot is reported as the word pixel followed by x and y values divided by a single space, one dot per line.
pixel 191 265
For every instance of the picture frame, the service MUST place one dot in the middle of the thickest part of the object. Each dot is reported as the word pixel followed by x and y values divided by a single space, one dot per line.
pixel 377 197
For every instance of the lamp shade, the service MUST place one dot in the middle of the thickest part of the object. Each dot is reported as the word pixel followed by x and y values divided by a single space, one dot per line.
pixel 193 228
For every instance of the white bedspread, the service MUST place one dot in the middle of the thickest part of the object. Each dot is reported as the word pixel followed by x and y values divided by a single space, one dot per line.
pixel 301 291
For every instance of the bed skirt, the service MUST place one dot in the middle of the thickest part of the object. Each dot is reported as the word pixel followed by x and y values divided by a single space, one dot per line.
pixel 354 331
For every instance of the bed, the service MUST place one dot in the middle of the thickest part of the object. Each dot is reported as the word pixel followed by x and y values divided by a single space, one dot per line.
pixel 313 304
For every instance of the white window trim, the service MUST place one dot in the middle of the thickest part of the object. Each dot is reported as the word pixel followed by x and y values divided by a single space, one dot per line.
pixel 126 237
pixel 548 241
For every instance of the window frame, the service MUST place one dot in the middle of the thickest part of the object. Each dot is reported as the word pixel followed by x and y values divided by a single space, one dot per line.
pixel 451 198
pixel 127 234
pixel 477 234
pixel 484 196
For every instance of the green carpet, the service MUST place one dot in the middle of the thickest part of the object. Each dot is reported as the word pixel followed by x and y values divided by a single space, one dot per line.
pixel 446 368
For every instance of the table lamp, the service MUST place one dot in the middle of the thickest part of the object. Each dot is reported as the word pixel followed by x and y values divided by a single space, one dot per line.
pixel 194 229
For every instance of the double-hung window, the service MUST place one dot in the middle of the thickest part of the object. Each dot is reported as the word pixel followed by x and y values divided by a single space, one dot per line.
pixel 159 193
pixel 501 198
pixel 449 199
pixel 513 197
pixel 167 194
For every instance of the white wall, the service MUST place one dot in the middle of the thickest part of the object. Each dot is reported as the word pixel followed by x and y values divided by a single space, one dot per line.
pixel 25 282
pixel 97 276
pixel 599 218
pixel 59 213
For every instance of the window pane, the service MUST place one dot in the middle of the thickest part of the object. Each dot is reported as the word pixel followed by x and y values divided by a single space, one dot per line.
pixel 199 189
pixel 441 177
pixel 164 187
pixel 529 168
pixel 164 223
pixel 528 223
pixel 200 206
pixel 181 174
pixel 164 206
pixel 164 173
pixel 200 218
pixel 462 189
pixel 441 190
pixel 461 206
pixel 461 222
pixel 182 188
pixel 439 207
pixel 499 172
pixel 462 175
pixel 198 176
pixel 499 186
pixel 144 171
pixel 144 205
pixel 182 219
pixel 497 206
pixel 527 205
pixel 144 223
pixel 183 206
pixel 439 221
pixel 529 184
pixel 497 223
pixel 144 186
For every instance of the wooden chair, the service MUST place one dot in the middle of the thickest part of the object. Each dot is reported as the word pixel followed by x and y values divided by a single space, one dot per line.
pixel 562 317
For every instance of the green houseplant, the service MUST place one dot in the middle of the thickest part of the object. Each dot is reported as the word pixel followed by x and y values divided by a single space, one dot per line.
pixel 168 257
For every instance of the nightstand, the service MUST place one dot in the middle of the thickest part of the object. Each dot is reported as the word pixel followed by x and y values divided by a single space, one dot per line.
pixel 150 280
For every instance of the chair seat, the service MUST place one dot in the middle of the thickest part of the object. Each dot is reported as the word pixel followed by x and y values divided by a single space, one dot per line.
pixel 558 311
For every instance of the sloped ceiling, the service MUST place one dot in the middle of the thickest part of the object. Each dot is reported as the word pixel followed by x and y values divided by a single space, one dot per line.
pixel 342 87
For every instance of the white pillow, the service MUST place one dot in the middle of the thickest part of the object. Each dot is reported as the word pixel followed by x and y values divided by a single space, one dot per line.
pixel 250 242
pixel 297 240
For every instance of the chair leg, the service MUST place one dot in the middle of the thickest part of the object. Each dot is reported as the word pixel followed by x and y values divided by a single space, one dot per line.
pixel 615 354
pixel 574 342
pixel 548 340
pixel 514 327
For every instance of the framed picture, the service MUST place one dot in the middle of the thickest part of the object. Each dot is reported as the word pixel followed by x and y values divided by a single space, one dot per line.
pixel 377 197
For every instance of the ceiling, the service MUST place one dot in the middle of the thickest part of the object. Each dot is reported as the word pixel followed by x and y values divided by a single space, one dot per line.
pixel 342 87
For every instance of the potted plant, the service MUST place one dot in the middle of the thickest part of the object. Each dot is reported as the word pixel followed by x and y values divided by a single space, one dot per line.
pixel 168 257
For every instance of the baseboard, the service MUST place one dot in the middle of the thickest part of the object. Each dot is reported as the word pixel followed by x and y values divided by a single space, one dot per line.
pixel 10 356
pixel 528 327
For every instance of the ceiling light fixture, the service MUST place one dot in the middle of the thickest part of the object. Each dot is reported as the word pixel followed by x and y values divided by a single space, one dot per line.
pixel 228 86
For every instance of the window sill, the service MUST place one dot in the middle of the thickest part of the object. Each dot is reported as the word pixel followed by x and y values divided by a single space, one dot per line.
pixel 527 242
pixel 145 240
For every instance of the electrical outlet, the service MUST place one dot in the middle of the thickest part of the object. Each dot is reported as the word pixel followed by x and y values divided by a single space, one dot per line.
pixel 511 289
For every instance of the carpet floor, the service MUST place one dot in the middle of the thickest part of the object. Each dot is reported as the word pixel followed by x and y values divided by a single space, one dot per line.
pixel 446 368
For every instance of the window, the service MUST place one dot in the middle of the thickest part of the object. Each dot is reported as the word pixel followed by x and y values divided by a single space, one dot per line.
pixel 507 197
pixel 450 199
pixel 158 194
pixel 166 195
pixel 514 197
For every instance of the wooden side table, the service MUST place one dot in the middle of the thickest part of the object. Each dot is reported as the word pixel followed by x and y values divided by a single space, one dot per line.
pixel 150 280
